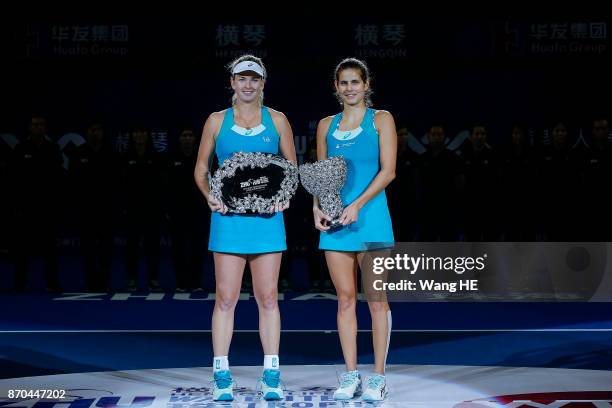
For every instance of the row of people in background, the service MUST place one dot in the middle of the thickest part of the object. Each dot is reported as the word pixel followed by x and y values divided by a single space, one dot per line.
pixel 516 192
pixel 101 195
pixel 475 193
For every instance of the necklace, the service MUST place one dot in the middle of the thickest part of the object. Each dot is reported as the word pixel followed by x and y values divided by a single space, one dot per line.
pixel 249 124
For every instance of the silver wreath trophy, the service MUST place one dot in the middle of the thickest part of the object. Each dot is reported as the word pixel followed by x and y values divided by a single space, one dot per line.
pixel 324 179
pixel 254 182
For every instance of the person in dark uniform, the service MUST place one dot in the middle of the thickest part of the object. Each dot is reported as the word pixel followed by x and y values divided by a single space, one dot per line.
pixel 441 180
pixel 517 187
pixel 402 193
pixel 302 241
pixel 93 176
pixel 38 169
pixel 143 207
pixel 596 184
pixel 559 169
pixel 187 213
pixel 481 177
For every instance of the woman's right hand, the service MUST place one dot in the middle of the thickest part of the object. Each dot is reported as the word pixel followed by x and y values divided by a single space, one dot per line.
pixel 216 205
pixel 319 219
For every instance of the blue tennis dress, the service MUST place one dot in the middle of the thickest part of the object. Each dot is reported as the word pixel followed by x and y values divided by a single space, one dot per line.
pixel 359 147
pixel 247 233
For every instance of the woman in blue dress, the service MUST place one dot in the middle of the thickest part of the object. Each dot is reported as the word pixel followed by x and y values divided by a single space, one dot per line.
pixel 367 140
pixel 236 239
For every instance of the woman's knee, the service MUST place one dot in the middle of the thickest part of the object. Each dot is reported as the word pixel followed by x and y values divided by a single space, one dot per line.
pixel 267 300
pixel 346 301
pixel 378 307
pixel 226 300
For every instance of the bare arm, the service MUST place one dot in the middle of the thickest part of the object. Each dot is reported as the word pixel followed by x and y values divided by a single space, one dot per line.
pixel 322 128
pixel 387 142
pixel 319 216
pixel 287 145
pixel 206 149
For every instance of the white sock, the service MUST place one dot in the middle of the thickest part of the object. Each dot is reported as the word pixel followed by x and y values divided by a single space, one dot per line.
pixel 220 363
pixel 271 362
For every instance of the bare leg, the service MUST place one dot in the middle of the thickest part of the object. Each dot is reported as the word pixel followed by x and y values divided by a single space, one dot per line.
pixel 380 312
pixel 264 270
pixel 228 274
pixel 343 269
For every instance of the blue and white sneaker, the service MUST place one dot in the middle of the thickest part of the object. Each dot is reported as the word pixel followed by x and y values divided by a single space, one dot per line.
pixel 223 386
pixel 376 388
pixel 271 386
pixel 350 386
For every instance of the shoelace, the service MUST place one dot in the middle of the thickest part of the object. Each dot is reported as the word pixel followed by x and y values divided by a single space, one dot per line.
pixel 376 381
pixel 223 382
pixel 271 381
pixel 279 383
pixel 346 379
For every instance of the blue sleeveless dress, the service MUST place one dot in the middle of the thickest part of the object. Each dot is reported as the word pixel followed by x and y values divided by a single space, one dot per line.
pixel 247 233
pixel 359 147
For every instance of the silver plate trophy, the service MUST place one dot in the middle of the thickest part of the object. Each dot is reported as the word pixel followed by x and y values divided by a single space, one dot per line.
pixel 254 182
pixel 324 179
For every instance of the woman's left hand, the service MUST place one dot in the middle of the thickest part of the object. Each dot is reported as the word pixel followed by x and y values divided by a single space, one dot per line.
pixel 350 214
